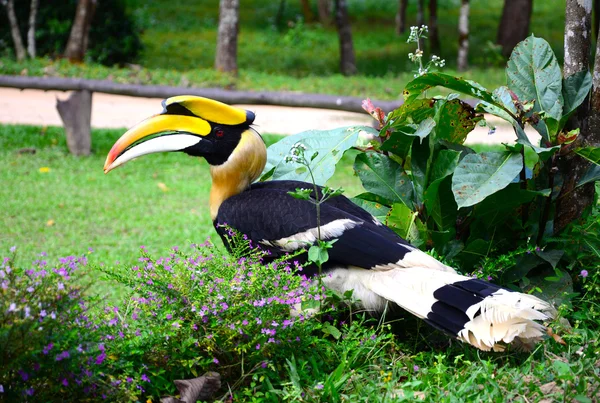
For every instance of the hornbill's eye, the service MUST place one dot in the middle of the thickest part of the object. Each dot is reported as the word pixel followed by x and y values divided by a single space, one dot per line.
pixel 218 132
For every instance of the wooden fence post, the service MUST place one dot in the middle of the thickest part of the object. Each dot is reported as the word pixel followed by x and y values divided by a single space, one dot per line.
pixel 76 114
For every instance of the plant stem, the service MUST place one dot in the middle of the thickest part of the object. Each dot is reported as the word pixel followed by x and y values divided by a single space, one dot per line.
pixel 525 211
pixel 547 204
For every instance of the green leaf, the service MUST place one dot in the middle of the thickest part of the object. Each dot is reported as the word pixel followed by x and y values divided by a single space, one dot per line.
pixel 591 175
pixel 551 256
pixel 543 152
pixel 444 164
pixel 331 330
pixel 318 254
pixel 440 204
pixel 378 210
pixel 411 112
pixel 555 289
pixel 402 220
pixel 524 264
pixel 574 90
pixel 382 176
pixel 419 166
pixel 400 141
pixel 480 175
pixel 430 80
pixel 590 153
pixel 492 211
pixel 330 145
pixel 533 73
pixel 455 120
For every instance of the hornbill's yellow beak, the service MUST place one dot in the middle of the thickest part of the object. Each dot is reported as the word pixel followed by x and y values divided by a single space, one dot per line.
pixel 187 123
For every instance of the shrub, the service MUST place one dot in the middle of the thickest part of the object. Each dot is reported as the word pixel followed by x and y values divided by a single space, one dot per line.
pixel 49 346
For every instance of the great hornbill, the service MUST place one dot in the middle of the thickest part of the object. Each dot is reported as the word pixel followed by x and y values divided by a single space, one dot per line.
pixel 367 257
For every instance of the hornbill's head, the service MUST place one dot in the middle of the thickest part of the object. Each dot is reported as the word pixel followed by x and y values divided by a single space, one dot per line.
pixel 204 128
pixel 194 125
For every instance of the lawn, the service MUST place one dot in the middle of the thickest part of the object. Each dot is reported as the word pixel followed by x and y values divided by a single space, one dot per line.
pixel 59 204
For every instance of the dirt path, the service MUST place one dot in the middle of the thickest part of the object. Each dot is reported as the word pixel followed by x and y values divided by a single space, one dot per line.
pixel 117 111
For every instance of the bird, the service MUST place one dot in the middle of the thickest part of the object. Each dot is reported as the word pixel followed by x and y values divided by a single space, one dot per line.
pixel 367 257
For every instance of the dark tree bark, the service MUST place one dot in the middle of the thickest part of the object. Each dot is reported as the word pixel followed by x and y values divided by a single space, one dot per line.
pixel 76 114
pixel 80 30
pixel 514 24
pixel 324 9
pixel 342 21
pixel 401 17
pixel 572 200
pixel 307 11
pixel 420 13
pixel 226 59
pixel 31 49
pixel 280 14
pixel 434 38
pixel 463 37
pixel 14 29
pixel 597 18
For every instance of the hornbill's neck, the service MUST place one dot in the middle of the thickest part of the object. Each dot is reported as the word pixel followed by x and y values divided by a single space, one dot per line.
pixel 244 166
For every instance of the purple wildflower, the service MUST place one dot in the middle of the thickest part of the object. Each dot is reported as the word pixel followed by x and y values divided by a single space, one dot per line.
pixel 62 356
pixel 416 368
pixel 584 273
pixel 145 378
pixel 47 349
pixel 215 361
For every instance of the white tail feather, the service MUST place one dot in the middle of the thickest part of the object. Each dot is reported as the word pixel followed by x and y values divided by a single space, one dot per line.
pixel 501 318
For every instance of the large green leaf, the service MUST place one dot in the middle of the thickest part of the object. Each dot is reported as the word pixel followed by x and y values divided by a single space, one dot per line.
pixel 590 153
pixel 422 83
pixel 574 90
pixel 384 177
pixel 591 175
pixel 378 210
pixel 444 164
pixel 455 120
pixel 401 139
pixel 420 160
pixel 492 211
pixel 411 112
pixel 403 221
pixel 330 144
pixel 440 204
pixel 533 74
pixel 480 175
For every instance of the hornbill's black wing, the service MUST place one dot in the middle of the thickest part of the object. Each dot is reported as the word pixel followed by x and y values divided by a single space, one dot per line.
pixel 282 224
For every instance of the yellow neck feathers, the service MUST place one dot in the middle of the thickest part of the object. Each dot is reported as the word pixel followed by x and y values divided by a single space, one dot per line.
pixel 244 166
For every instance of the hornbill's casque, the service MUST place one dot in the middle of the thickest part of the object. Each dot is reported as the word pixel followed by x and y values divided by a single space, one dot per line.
pixel 368 257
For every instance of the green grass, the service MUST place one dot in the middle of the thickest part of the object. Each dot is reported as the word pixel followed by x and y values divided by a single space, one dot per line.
pixel 75 205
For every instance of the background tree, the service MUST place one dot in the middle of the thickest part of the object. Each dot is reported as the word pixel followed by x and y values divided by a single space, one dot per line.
pixel 80 30
pixel 401 17
pixel 434 38
pixel 226 58
pixel 307 12
pixel 324 9
pixel 31 49
pixel 342 21
pixel 463 37
pixel 573 200
pixel 14 29
pixel 514 24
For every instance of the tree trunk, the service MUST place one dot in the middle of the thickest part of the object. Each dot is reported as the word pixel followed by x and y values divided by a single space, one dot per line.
pixel 463 37
pixel 14 29
pixel 80 30
pixel 31 29
pixel 597 18
pixel 347 59
pixel 226 59
pixel 324 8
pixel 434 38
pixel 514 24
pixel 401 17
pixel 572 200
pixel 420 13
pixel 76 114
pixel 307 11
